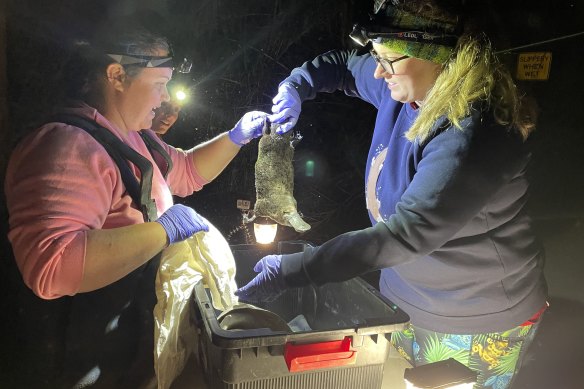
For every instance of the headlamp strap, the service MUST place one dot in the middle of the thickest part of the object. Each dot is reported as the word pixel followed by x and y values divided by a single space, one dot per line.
pixel 416 36
pixel 144 61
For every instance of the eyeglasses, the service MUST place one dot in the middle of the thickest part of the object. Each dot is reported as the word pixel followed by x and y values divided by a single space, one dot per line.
pixel 386 64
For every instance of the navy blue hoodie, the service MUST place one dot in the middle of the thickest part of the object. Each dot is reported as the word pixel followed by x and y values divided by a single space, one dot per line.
pixel 452 240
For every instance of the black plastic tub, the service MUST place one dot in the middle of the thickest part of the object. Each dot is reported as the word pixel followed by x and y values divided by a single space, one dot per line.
pixel 342 342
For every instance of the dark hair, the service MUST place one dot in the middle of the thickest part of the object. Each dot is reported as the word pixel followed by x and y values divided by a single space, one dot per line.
pixel 84 70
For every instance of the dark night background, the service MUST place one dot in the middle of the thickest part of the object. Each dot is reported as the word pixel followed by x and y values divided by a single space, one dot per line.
pixel 241 50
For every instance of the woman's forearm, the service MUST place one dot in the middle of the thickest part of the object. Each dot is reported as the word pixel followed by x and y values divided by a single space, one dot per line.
pixel 114 253
pixel 212 157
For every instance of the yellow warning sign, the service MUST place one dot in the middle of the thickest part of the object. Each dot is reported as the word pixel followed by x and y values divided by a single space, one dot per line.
pixel 534 66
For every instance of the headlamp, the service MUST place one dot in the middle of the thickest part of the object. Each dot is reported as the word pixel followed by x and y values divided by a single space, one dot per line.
pixel 184 67
pixel 377 34
pixel 359 35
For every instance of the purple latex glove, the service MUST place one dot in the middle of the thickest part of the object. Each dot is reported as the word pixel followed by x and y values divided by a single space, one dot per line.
pixel 181 222
pixel 286 108
pixel 250 126
pixel 268 284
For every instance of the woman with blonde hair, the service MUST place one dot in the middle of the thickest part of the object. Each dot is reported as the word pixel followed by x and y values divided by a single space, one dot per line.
pixel 445 189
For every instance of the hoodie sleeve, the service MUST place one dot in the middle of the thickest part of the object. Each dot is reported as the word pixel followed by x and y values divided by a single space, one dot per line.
pixel 346 71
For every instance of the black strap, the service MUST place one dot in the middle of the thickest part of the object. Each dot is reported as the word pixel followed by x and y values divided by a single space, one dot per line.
pixel 121 153
pixel 159 155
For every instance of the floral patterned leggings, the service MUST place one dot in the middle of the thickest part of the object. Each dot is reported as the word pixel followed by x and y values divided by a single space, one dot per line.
pixel 495 356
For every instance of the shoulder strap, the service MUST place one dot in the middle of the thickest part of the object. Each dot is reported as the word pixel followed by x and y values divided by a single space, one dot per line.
pixel 121 153
pixel 159 154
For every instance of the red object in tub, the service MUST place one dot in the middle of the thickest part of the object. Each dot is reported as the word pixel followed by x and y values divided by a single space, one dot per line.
pixel 319 355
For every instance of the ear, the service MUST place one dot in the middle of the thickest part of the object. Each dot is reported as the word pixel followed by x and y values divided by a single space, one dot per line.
pixel 116 76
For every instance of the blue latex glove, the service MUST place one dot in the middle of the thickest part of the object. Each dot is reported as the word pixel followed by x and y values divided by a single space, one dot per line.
pixel 268 284
pixel 286 108
pixel 181 222
pixel 250 126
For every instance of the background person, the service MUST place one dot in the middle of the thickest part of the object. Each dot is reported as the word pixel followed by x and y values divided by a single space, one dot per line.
pixel 445 187
pixel 80 241
pixel 165 117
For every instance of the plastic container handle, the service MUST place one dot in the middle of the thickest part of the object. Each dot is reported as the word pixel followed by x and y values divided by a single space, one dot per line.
pixel 321 355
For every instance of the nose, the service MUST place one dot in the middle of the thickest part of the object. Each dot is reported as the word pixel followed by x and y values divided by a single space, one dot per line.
pixel 380 72
pixel 165 95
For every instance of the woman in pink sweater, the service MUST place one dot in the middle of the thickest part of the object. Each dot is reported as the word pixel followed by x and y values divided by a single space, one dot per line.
pixel 77 234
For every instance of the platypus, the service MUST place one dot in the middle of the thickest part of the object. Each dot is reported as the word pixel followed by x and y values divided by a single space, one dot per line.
pixel 274 179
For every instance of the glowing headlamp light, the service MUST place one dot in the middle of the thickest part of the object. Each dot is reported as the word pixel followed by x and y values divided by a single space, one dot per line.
pixel 180 92
pixel 180 95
